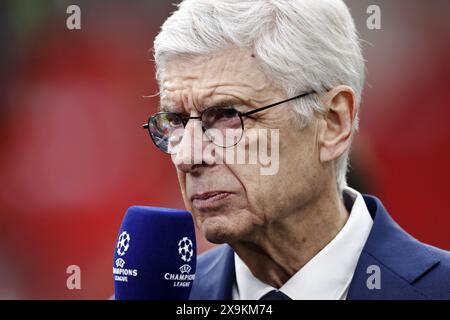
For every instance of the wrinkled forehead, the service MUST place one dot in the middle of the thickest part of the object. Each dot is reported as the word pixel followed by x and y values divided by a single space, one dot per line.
pixel 201 79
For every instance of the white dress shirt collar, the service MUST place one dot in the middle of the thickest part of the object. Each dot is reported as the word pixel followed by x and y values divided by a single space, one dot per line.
pixel 328 274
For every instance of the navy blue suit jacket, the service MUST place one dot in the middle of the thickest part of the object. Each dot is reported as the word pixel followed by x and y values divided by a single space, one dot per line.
pixel 409 269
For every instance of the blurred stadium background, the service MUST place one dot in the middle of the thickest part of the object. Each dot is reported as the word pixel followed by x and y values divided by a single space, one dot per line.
pixel 73 155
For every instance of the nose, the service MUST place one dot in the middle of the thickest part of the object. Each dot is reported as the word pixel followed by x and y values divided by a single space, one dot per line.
pixel 190 151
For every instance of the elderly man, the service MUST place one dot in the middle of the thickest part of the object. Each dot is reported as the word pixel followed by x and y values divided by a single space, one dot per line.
pixel 293 67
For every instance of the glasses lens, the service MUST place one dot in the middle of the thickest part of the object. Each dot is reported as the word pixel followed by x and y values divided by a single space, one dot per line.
pixel 166 130
pixel 223 126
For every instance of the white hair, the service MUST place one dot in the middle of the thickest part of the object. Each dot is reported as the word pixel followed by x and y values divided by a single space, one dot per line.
pixel 303 45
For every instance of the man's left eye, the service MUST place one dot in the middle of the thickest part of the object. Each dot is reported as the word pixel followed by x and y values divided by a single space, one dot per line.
pixel 230 112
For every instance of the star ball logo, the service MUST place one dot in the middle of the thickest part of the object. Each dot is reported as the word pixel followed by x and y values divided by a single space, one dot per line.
pixel 123 243
pixel 186 249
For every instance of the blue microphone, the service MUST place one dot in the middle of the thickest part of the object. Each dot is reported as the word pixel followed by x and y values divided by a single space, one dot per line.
pixel 155 255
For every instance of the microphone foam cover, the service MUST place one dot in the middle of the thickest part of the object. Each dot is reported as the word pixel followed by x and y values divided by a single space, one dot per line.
pixel 155 255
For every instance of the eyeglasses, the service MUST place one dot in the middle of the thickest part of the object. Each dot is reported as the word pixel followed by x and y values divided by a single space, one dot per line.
pixel 223 126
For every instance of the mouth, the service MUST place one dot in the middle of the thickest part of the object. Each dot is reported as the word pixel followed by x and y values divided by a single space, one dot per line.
pixel 209 200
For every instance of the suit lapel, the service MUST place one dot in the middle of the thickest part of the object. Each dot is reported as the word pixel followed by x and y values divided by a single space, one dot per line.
pixel 216 282
pixel 399 258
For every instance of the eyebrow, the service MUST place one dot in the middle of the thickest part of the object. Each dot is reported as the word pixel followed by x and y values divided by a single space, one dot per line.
pixel 222 103
pixel 219 103
pixel 170 108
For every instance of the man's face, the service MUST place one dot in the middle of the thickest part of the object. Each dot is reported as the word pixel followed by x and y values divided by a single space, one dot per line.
pixel 232 202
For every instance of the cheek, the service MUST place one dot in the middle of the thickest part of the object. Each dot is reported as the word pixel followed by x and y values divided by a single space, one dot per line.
pixel 298 175
pixel 299 149
pixel 301 173
pixel 255 189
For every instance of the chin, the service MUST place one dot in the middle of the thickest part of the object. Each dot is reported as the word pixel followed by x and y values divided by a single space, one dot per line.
pixel 218 230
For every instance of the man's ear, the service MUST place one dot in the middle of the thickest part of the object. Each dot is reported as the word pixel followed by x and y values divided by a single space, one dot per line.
pixel 336 126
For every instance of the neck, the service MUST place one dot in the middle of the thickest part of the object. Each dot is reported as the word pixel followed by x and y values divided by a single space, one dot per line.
pixel 277 251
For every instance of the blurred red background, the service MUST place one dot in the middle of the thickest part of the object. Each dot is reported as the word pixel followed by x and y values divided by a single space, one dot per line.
pixel 74 156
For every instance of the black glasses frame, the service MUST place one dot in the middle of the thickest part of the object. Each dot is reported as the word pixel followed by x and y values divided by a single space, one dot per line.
pixel 184 120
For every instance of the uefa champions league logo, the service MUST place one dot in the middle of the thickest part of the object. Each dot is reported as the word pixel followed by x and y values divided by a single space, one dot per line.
pixel 123 243
pixel 120 263
pixel 184 278
pixel 186 249
pixel 120 273
pixel 185 268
